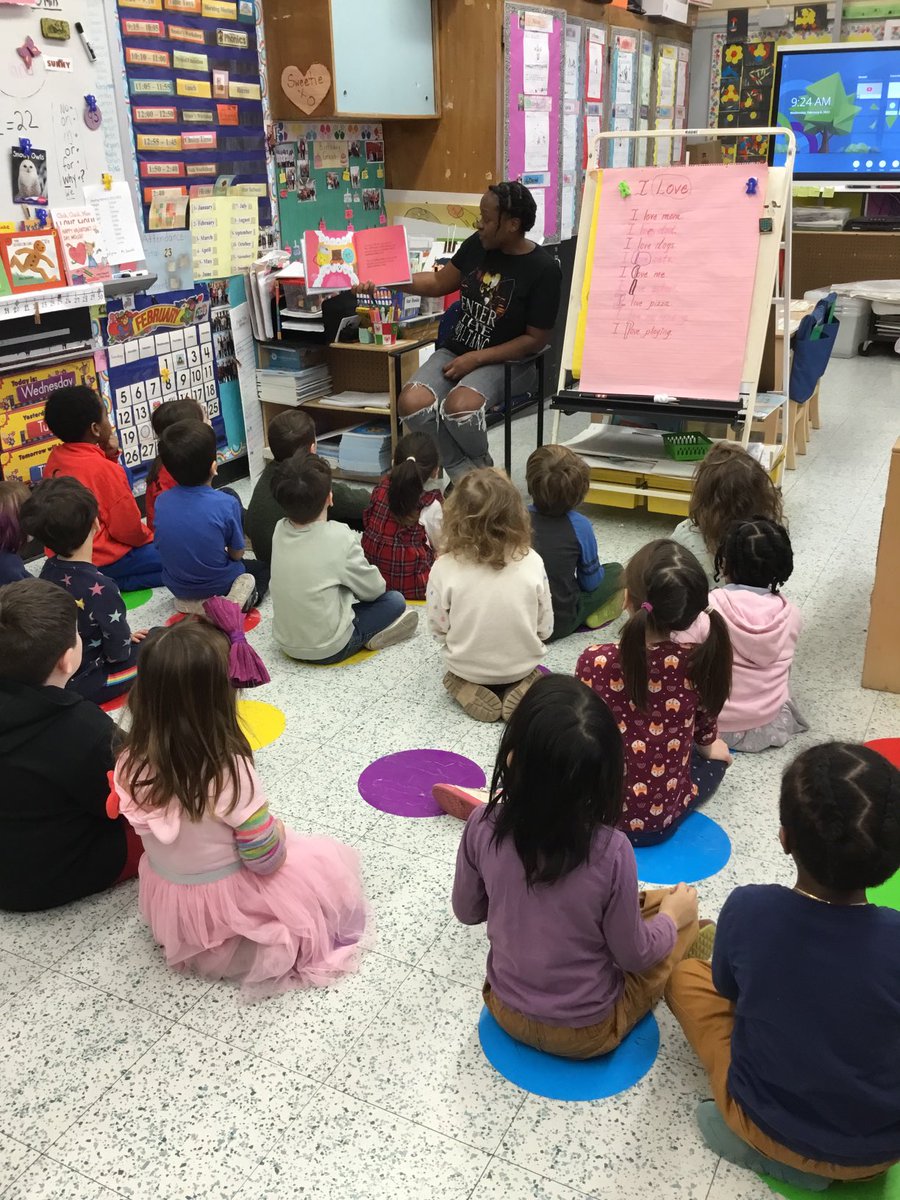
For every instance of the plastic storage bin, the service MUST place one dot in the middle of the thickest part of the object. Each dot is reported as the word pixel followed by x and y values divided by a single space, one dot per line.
pixel 854 314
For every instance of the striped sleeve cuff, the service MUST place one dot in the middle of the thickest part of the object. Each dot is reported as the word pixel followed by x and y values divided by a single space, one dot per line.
pixel 259 843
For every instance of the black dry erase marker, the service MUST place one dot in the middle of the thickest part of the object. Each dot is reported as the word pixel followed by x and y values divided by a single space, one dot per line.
pixel 79 29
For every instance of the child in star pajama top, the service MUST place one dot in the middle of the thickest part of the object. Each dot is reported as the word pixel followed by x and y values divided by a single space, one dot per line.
pixel 63 514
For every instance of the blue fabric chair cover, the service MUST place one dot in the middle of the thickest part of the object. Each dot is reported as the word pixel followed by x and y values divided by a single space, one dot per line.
pixel 811 354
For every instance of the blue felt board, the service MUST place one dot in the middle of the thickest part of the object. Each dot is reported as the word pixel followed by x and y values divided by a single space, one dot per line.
pixel 567 1078
pixel 697 849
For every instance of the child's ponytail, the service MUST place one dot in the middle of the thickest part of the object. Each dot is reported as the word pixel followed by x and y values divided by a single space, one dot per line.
pixel 415 462
pixel 711 662
pixel 667 591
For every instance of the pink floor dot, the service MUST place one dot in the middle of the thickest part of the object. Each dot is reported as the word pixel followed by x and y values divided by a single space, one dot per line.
pixel 251 619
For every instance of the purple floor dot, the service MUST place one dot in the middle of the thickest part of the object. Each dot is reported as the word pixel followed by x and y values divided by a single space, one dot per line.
pixel 401 783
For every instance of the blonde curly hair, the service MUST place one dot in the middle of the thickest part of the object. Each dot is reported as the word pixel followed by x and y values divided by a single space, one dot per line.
pixel 485 520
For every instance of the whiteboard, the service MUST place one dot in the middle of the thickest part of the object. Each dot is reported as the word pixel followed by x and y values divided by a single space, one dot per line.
pixel 47 106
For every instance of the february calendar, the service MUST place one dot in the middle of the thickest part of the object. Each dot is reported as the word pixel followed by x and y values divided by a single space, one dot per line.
pixel 162 348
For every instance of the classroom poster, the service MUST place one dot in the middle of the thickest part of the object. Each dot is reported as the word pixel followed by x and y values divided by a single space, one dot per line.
pixel 25 440
pixel 746 78
pixel 677 251
pixel 159 348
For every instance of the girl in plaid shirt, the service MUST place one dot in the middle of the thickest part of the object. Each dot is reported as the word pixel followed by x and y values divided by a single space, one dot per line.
pixel 402 524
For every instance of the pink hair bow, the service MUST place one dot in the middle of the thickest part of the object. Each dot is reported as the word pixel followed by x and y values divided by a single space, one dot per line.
pixel 245 668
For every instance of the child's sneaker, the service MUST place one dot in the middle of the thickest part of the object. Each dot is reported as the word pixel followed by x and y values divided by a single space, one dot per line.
pixel 192 607
pixel 702 945
pixel 243 591
pixel 516 691
pixel 459 801
pixel 401 629
pixel 474 698
pixel 606 613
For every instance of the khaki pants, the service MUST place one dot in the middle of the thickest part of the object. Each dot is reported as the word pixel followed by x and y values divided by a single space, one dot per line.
pixel 708 1021
pixel 640 994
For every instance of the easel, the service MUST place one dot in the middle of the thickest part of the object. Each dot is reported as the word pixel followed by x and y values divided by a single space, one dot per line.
pixel 665 486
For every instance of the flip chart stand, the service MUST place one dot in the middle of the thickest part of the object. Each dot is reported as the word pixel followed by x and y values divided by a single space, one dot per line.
pixel 570 397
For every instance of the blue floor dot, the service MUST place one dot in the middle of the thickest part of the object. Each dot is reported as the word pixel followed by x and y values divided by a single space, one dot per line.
pixel 697 849
pixel 568 1078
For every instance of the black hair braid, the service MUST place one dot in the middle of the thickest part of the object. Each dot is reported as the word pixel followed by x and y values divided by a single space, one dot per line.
pixel 756 553
pixel 516 201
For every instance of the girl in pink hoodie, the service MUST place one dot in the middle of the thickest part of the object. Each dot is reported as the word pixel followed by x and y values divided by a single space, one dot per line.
pixel 755 558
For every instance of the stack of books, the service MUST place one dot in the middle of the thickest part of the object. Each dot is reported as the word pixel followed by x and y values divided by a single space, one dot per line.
pixel 366 449
pixel 293 387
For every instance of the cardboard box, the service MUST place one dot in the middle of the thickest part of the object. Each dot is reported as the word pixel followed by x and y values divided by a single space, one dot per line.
pixel 675 10
pixel 881 666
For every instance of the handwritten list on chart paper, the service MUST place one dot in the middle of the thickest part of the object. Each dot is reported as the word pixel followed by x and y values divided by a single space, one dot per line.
pixel 671 282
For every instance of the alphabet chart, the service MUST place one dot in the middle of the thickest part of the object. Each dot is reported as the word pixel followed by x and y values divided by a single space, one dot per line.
pixel 163 350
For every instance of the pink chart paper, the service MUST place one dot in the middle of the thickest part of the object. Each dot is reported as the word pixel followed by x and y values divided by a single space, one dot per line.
pixel 672 281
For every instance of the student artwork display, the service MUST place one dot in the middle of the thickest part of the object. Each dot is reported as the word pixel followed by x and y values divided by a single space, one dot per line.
pixel 642 147
pixel 328 174
pixel 25 440
pixel 670 100
pixel 747 71
pixel 195 98
pixel 32 261
pixel 533 108
pixel 594 90
pixel 159 348
pixel 570 190
pixel 623 93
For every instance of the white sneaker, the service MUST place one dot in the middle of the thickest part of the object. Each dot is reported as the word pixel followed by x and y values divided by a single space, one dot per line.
pixel 401 629
pixel 243 591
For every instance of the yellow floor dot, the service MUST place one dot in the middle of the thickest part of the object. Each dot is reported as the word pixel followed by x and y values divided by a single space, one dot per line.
pixel 359 656
pixel 262 723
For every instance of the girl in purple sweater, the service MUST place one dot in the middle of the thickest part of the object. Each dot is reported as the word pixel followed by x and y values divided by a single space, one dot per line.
pixel 578 955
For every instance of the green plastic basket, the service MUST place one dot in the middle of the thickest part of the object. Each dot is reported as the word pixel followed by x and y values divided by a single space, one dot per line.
pixel 686 447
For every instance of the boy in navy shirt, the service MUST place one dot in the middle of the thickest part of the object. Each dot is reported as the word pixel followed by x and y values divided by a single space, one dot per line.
pixel 797 1018
pixel 62 513
pixel 198 530
pixel 583 592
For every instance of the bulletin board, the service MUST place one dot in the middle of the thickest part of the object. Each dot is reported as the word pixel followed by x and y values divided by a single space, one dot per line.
pixel 532 107
pixel 331 172
pixel 160 348
pixel 624 64
pixel 571 164
pixel 195 98
pixel 593 91
pixel 44 102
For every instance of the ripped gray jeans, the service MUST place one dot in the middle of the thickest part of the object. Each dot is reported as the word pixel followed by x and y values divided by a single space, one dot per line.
pixel 462 437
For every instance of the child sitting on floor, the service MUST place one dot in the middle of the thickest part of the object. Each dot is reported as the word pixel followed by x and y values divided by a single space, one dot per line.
pixel 198 529
pixel 756 559
pixel 170 412
pixel 583 591
pixel 57 843
pixel 403 521
pixel 13 494
pixel 288 433
pixel 797 1020
pixel 488 598
pixel 225 889
pixel 63 514
pixel 664 696
pixel 329 602
pixel 729 485
pixel 123 547
pixel 578 955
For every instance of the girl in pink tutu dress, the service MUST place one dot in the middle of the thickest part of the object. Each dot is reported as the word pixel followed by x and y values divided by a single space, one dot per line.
pixel 226 890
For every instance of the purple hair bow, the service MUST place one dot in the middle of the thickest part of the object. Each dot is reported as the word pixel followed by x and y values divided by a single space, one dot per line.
pixel 245 668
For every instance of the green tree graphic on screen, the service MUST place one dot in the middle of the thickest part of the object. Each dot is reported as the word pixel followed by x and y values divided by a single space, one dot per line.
pixel 825 109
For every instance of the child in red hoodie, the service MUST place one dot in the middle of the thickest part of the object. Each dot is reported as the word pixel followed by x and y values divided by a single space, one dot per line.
pixel 123 547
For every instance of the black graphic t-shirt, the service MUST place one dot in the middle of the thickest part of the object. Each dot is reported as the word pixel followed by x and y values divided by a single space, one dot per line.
pixel 501 294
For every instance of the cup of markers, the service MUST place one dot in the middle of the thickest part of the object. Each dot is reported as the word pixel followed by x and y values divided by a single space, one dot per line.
pixel 379 318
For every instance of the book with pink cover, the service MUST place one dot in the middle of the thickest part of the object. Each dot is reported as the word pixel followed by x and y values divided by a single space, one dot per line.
pixel 84 255
pixel 335 260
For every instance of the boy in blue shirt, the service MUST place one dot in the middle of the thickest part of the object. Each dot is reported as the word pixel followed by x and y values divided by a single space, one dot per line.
pixel 583 592
pixel 63 514
pixel 198 530
pixel 797 1018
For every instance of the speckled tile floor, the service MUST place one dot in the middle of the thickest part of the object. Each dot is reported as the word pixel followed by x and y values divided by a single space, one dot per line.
pixel 121 1079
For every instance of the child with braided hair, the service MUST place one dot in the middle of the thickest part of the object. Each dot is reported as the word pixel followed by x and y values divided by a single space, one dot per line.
pixel 754 559
pixel 797 1018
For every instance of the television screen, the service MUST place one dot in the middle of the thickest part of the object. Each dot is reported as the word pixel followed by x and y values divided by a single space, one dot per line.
pixel 843 104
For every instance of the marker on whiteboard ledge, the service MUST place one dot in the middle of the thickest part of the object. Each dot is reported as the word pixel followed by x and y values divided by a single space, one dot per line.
pixel 89 49
pixel 664 398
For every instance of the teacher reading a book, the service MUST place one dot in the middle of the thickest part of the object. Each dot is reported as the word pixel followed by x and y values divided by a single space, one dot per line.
pixel 509 297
